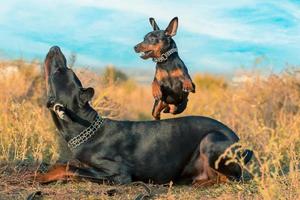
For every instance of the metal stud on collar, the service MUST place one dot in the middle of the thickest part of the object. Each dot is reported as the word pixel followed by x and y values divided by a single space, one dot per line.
pixel 165 55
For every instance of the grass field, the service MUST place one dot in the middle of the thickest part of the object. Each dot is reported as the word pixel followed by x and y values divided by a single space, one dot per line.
pixel 263 110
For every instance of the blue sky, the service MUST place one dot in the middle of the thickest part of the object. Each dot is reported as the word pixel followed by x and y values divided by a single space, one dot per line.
pixel 213 36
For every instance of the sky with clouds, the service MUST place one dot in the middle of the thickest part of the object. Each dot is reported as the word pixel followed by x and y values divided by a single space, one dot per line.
pixel 213 36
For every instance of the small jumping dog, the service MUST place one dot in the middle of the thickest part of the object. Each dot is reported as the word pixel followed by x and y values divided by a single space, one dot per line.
pixel 172 82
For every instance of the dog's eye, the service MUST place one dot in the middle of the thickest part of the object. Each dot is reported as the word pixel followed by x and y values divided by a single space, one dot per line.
pixel 152 40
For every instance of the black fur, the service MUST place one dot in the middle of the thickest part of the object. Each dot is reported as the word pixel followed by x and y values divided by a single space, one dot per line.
pixel 126 151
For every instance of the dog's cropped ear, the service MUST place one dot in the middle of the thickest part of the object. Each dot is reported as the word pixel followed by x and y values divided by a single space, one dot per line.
pixel 172 27
pixel 153 24
pixel 86 94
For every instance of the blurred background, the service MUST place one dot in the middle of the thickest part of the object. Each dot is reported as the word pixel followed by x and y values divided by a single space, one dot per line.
pixel 215 36
pixel 243 57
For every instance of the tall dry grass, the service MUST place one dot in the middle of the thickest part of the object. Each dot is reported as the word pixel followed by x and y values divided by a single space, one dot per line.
pixel 264 111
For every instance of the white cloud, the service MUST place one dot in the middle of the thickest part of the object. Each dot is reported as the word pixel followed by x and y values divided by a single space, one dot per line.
pixel 33 25
pixel 206 18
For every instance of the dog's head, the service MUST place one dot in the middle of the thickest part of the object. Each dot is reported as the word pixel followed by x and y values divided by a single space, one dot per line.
pixel 157 41
pixel 66 95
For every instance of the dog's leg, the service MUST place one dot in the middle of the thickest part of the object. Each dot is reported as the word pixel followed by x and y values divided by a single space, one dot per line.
pixel 206 175
pixel 66 172
pixel 57 172
pixel 170 108
pixel 177 109
pixel 188 85
pixel 213 146
pixel 203 168
pixel 167 109
pixel 173 109
pixel 156 90
pixel 158 106
pixel 64 151
pixel 184 77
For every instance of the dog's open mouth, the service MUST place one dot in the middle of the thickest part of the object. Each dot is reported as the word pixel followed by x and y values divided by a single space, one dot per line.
pixel 145 54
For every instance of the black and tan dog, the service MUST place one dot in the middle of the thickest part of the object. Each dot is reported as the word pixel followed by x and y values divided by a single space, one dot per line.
pixel 182 150
pixel 172 82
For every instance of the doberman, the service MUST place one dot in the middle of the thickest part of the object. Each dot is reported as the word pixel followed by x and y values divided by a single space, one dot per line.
pixel 182 150
pixel 172 82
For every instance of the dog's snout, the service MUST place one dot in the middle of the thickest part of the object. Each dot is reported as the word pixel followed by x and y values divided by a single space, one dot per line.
pixel 54 49
pixel 54 60
pixel 137 48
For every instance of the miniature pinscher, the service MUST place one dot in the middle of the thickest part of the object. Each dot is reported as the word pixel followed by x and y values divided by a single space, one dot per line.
pixel 172 82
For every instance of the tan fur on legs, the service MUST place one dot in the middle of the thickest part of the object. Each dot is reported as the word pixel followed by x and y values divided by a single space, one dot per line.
pixel 56 173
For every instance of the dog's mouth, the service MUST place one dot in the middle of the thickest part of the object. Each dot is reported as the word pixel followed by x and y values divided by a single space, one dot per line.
pixel 146 54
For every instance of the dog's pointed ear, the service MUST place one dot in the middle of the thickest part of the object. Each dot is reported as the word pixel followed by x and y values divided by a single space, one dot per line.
pixel 153 24
pixel 172 27
pixel 86 94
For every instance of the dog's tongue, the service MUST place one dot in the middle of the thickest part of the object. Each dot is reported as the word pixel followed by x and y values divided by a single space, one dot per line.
pixel 145 54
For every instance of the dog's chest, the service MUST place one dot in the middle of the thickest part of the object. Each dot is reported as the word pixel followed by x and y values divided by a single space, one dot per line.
pixel 163 75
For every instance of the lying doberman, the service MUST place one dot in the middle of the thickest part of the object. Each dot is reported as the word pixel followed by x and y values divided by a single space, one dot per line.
pixel 182 150
pixel 172 82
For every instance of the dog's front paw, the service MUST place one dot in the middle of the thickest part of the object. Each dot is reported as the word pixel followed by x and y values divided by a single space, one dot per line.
pixel 156 91
pixel 188 86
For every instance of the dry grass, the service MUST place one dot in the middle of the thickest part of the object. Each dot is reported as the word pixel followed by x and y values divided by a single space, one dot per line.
pixel 263 111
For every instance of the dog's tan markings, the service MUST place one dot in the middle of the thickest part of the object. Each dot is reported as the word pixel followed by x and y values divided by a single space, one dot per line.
pixel 218 179
pixel 173 108
pixel 158 108
pixel 57 172
pixel 161 74
pixel 143 47
pixel 206 176
pixel 156 91
pixel 176 73
pixel 188 85
pixel 157 49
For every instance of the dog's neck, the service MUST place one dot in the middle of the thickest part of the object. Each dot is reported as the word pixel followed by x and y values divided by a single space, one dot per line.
pixel 172 45
pixel 173 60
pixel 80 120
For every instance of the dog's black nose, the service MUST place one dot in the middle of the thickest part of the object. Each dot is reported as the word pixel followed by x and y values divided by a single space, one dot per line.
pixel 135 48
pixel 55 49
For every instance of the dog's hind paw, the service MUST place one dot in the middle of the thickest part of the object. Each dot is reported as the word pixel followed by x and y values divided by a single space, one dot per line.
pixel 167 109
